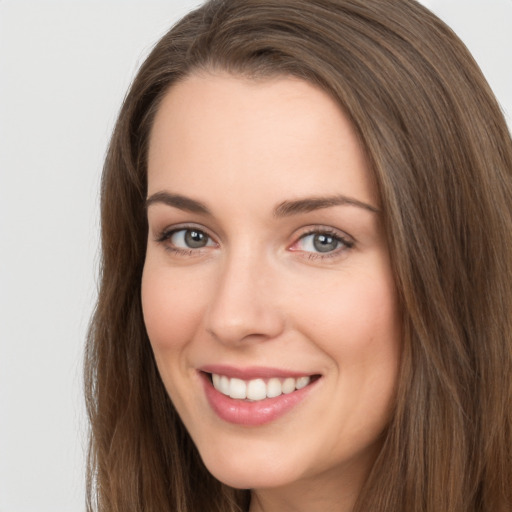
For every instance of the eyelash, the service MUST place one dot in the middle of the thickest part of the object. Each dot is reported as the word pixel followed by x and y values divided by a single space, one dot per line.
pixel 342 240
pixel 166 235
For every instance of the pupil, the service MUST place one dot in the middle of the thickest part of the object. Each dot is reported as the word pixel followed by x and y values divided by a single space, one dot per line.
pixel 325 243
pixel 195 239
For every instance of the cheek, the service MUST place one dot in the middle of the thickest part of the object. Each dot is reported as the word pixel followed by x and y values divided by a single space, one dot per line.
pixel 171 308
pixel 357 326
pixel 356 317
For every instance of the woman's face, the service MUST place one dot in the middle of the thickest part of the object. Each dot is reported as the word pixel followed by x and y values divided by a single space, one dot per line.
pixel 267 290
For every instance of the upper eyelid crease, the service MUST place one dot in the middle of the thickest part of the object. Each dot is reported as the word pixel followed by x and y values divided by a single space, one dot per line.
pixel 167 232
pixel 344 238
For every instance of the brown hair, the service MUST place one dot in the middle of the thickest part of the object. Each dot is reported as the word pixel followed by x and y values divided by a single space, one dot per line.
pixel 441 156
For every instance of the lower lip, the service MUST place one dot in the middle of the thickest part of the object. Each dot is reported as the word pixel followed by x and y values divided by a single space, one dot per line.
pixel 253 414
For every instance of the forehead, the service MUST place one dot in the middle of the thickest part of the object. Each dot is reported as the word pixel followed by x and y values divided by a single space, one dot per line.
pixel 223 133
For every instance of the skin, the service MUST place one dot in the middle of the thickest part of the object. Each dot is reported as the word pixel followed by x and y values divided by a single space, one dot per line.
pixel 260 294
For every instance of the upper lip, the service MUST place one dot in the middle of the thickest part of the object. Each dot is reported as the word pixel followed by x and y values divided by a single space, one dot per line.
pixel 252 372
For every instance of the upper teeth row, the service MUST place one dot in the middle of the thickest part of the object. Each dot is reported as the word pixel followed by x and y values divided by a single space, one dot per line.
pixel 257 389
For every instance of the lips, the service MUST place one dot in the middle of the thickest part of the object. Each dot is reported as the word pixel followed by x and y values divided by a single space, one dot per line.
pixel 254 396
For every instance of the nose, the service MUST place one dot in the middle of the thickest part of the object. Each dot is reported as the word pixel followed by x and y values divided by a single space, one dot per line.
pixel 244 305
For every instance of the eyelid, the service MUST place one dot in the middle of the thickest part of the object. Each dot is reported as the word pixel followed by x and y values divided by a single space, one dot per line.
pixel 163 237
pixel 345 240
pixel 169 230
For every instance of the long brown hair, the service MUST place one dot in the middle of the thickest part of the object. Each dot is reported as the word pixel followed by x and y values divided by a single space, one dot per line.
pixel 441 156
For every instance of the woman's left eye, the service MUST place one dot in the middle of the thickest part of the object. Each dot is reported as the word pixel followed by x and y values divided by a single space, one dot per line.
pixel 322 243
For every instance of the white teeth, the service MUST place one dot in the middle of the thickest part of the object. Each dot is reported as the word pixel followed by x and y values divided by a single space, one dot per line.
pixel 224 385
pixel 302 382
pixel 288 385
pixel 237 388
pixel 274 388
pixel 257 389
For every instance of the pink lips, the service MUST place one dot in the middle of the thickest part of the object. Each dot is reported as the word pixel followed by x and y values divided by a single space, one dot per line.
pixel 244 412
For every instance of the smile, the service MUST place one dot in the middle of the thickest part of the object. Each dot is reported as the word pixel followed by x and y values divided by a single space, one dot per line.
pixel 256 397
pixel 257 389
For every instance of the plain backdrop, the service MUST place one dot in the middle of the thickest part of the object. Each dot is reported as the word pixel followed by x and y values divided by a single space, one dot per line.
pixel 64 69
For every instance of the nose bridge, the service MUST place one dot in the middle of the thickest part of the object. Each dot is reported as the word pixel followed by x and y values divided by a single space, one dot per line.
pixel 242 307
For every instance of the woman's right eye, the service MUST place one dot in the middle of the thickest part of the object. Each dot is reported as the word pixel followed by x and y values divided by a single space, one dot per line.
pixel 186 239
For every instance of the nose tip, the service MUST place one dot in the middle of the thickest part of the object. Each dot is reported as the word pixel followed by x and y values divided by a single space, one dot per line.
pixel 232 329
pixel 242 308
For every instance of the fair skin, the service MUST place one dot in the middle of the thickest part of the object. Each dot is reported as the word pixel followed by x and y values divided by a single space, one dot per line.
pixel 250 277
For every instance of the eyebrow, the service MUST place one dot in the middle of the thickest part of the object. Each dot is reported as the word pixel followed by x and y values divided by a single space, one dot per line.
pixel 309 204
pixel 178 201
pixel 284 209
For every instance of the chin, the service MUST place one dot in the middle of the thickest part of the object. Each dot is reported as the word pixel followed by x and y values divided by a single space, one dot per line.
pixel 246 472
pixel 252 479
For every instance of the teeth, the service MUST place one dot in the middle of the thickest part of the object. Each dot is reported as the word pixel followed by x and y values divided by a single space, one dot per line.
pixel 288 385
pixel 274 388
pixel 302 382
pixel 224 385
pixel 257 389
pixel 237 388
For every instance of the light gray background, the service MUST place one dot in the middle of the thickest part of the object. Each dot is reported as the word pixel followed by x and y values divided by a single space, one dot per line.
pixel 64 69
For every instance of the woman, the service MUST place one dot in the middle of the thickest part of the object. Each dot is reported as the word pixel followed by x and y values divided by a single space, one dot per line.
pixel 305 296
